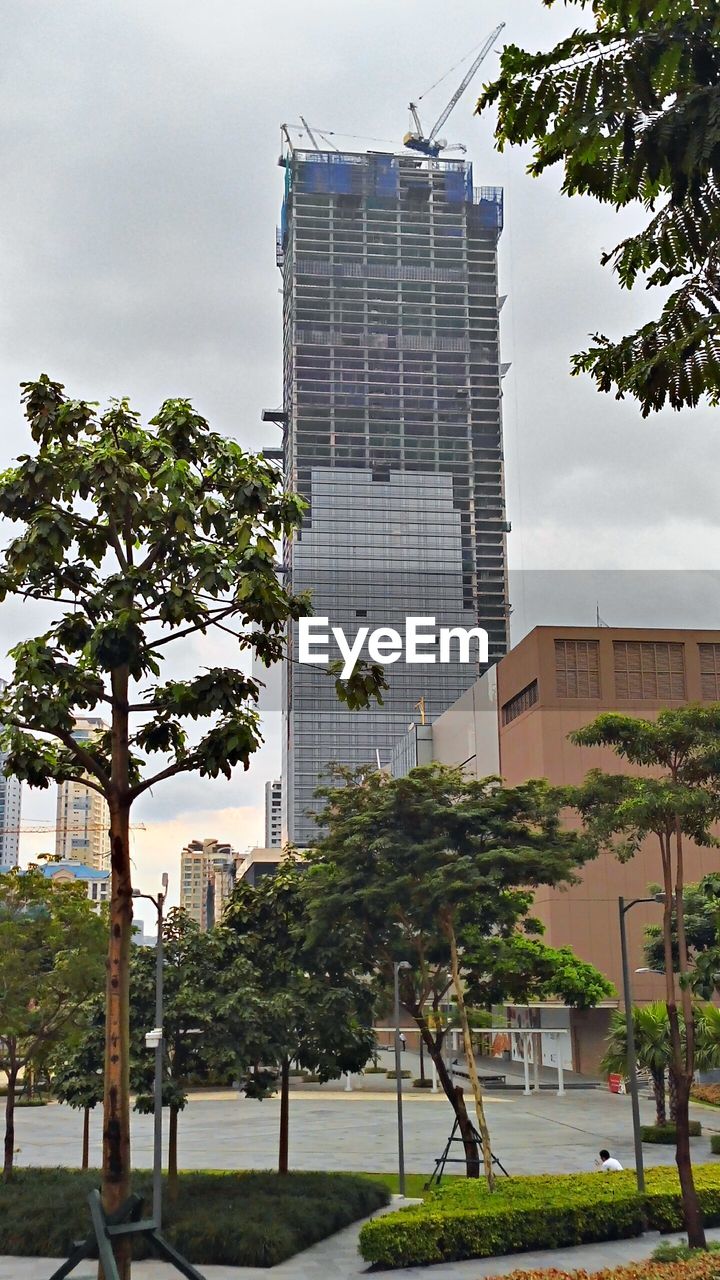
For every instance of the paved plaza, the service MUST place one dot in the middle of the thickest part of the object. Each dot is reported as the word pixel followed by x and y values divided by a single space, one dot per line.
pixel 330 1129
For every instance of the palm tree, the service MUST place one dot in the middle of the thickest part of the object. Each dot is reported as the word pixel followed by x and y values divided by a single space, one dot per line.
pixel 652 1048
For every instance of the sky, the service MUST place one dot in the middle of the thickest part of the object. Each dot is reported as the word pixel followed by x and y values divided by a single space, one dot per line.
pixel 137 240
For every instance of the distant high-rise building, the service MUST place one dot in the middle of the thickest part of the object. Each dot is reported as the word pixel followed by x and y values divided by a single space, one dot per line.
pixel 208 870
pixel 392 431
pixel 10 804
pixel 273 814
pixel 83 818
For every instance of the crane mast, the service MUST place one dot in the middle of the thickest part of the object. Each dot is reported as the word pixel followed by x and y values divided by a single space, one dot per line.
pixel 431 145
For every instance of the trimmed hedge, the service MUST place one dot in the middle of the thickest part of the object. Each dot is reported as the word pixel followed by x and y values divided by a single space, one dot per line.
pixel 232 1219
pixel 461 1219
pixel 421 1083
pixel 374 1071
pixel 392 1075
pixel 666 1133
pixel 715 1144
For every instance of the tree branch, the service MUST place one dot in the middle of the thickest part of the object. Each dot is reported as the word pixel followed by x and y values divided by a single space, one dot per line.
pixel 88 762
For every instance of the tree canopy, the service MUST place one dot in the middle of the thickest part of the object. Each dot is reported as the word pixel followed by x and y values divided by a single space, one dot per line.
pixel 139 537
pixel 680 799
pixel 52 945
pixel 629 105
pixel 437 870
pixel 317 1010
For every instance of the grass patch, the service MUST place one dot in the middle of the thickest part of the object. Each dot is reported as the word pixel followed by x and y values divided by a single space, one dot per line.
pixel 232 1219
pixel 463 1220
pixel 682 1252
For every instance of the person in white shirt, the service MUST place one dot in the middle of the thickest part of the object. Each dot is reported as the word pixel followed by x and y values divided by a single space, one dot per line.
pixel 607 1164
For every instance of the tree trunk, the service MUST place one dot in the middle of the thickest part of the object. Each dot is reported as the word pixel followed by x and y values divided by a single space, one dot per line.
pixel 284 1115
pixel 173 1154
pixel 692 1212
pixel 673 1098
pixel 455 1097
pixel 86 1138
pixel 470 1058
pixel 12 1075
pixel 681 1072
pixel 116 1103
pixel 658 1082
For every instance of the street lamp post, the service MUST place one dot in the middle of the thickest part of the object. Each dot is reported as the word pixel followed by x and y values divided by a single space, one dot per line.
pixel 401 964
pixel 154 1040
pixel 623 908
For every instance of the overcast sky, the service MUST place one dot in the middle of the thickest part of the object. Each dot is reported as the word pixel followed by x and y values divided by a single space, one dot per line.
pixel 139 201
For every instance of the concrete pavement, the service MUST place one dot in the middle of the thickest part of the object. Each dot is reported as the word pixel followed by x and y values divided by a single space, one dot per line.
pixel 334 1130
pixel 337 1259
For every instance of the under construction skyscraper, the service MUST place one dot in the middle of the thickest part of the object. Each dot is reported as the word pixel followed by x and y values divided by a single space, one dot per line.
pixel 392 431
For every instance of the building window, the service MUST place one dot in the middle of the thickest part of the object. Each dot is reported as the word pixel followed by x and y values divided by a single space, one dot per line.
pixel 522 701
pixel 710 671
pixel 649 669
pixel 577 669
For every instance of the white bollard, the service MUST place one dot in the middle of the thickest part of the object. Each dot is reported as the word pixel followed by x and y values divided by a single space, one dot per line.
pixel 526 1065
pixel 348 1083
pixel 561 1076
pixel 434 1078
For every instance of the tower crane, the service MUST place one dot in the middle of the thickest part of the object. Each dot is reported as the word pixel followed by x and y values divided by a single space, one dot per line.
pixel 430 144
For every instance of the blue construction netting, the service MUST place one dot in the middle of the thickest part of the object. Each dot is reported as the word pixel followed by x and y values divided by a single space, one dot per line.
pixel 387 176
pixel 488 206
pixel 326 174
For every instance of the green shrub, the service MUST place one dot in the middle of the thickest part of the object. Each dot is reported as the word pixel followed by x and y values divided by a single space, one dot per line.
pixel 715 1144
pixel 461 1219
pixel 421 1083
pixel 664 1207
pixel 666 1133
pixel 232 1219
pixel 297 1072
pixel 392 1075
pixel 311 1078
pixel 374 1071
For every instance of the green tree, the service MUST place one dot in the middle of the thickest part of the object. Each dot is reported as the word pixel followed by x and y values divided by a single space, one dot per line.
pixel 652 1047
pixel 52 945
pixel 317 1011
pixel 701 907
pixel 630 106
pixel 76 1067
pixel 424 869
pixel 138 538
pixel 192 977
pixel 682 801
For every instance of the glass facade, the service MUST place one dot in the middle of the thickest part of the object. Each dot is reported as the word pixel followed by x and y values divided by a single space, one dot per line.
pixel 392 432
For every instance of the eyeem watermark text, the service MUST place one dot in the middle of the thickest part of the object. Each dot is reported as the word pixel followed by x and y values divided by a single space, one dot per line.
pixel 423 642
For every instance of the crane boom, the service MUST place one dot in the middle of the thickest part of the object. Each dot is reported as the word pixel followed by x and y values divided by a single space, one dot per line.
pixel 430 145
pixel 465 82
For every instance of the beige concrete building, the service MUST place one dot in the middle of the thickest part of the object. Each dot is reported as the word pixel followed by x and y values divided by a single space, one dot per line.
pixel 258 863
pixel 516 721
pixel 208 870
pixel 82 825
pixel 558 679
